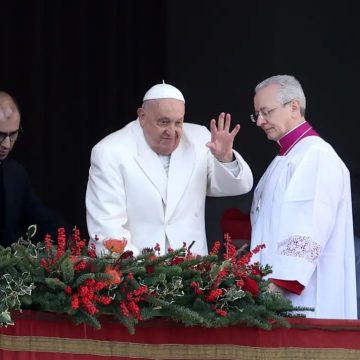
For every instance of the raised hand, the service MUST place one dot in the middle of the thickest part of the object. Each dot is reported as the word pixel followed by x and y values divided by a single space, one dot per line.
pixel 222 139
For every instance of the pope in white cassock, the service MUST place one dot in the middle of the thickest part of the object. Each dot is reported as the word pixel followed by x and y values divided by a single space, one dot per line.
pixel 301 208
pixel 148 181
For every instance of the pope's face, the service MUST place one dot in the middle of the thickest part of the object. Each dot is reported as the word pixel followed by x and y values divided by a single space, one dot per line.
pixel 274 118
pixel 162 122
pixel 9 125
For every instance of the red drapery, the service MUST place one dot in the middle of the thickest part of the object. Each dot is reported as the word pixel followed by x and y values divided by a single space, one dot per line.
pixel 47 336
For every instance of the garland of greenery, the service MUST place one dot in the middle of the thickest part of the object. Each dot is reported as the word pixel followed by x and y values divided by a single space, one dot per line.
pixel 68 277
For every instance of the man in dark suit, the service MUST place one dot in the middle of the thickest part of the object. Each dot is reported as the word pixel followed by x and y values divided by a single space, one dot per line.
pixel 19 206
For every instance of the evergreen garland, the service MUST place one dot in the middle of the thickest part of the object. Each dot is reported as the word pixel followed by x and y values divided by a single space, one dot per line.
pixel 207 291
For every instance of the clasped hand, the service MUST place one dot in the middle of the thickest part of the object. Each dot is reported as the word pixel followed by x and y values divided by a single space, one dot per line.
pixel 222 139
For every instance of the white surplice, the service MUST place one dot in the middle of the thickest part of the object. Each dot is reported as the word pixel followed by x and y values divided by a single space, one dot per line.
pixel 302 212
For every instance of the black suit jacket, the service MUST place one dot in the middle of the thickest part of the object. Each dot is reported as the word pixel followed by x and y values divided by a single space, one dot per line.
pixel 22 208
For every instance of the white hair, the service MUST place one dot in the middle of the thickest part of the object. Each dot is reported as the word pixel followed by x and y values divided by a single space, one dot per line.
pixel 289 89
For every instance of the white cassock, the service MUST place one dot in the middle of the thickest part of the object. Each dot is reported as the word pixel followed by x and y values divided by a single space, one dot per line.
pixel 131 195
pixel 302 212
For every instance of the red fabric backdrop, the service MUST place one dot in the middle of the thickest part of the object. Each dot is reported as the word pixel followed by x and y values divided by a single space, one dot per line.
pixel 38 335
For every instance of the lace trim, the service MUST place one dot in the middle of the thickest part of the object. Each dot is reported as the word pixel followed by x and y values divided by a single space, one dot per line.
pixel 301 247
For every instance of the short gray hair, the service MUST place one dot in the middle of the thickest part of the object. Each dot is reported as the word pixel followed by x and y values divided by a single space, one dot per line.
pixel 289 89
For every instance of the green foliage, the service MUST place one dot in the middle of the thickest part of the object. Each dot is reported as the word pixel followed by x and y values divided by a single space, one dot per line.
pixel 12 289
pixel 194 290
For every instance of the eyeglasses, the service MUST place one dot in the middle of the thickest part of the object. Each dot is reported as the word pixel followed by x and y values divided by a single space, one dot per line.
pixel 265 114
pixel 13 135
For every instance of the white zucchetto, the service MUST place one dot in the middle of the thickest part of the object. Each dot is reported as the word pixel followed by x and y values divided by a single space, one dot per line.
pixel 163 91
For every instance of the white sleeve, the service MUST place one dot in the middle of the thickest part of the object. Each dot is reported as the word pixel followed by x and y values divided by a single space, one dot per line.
pixel 105 201
pixel 229 179
pixel 233 167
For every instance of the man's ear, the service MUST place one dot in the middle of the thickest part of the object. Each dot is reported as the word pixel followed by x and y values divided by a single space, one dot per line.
pixel 295 106
pixel 141 115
